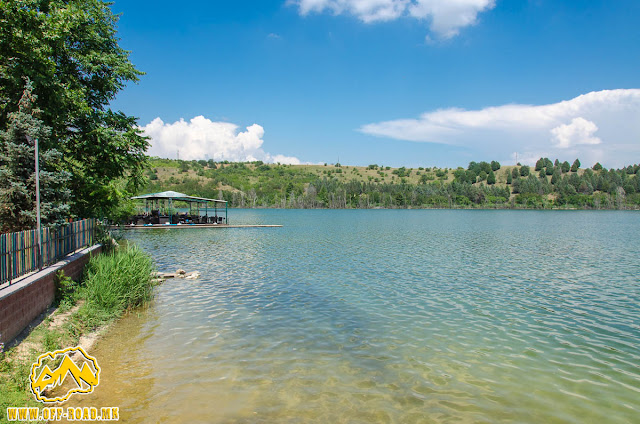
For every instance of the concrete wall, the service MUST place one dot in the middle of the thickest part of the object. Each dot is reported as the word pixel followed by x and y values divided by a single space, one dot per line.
pixel 23 301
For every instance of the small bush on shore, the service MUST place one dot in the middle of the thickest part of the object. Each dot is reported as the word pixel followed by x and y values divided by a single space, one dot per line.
pixel 115 282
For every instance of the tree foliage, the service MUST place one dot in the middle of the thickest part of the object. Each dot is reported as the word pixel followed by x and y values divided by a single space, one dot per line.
pixel 69 50
pixel 491 178
pixel 515 172
pixel 252 185
pixel 555 177
pixel 575 166
pixel 17 171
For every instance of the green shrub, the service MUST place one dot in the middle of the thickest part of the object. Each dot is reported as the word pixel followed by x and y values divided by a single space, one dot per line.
pixel 65 287
pixel 530 200
pixel 115 282
pixel 463 200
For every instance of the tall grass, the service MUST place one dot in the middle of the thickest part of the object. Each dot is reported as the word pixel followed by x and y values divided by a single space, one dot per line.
pixel 115 282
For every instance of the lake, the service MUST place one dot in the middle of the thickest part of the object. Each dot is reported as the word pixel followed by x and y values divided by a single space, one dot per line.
pixel 434 316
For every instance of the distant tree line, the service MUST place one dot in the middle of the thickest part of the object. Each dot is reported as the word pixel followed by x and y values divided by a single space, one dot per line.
pixel 596 187
pixel 480 185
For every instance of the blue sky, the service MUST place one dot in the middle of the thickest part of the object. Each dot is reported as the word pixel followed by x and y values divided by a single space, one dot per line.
pixel 393 82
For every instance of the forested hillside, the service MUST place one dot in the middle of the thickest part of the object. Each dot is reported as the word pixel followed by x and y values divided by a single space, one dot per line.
pixel 480 185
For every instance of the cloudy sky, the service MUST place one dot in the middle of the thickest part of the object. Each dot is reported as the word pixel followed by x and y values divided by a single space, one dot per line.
pixel 393 82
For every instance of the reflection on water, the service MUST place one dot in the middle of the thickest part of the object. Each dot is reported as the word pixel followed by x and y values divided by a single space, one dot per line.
pixel 386 316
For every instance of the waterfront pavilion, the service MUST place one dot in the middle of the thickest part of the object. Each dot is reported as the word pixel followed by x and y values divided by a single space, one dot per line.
pixel 159 209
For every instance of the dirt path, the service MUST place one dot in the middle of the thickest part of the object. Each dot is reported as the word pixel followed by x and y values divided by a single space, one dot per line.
pixel 31 338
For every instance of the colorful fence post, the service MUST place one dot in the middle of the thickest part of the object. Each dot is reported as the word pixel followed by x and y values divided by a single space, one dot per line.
pixel 19 251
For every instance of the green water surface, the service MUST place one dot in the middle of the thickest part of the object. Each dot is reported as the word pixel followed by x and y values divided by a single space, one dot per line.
pixel 433 316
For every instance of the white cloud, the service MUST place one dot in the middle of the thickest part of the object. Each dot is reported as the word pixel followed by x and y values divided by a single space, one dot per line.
pixel 449 16
pixel 600 124
pixel 579 131
pixel 446 17
pixel 200 138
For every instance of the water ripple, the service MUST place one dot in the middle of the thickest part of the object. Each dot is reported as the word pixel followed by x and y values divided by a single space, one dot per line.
pixel 388 316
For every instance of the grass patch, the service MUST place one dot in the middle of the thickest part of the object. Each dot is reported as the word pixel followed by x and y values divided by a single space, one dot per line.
pixel 112 284
pixel 15 366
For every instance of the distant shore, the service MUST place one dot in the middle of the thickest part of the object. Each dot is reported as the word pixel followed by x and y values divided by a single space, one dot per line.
pixel 483 185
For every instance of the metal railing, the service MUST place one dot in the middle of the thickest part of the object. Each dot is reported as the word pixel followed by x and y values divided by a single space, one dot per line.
pixel 19 251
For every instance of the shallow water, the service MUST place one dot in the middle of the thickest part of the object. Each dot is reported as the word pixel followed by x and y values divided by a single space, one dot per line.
pixel 386 316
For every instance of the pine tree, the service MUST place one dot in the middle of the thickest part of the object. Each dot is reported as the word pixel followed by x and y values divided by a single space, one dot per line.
pixel 491 178
pixel 555 178
pixel 509 177
pixel 548 163
pixel 17 171
pixel 539 164
pixel 575 166
pixel 515 172
pixel 70 51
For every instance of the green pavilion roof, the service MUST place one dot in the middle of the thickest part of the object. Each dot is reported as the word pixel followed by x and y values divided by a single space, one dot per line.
pixel 174 195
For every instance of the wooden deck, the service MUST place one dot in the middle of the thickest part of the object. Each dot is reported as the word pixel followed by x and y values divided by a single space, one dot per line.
pixel 184 226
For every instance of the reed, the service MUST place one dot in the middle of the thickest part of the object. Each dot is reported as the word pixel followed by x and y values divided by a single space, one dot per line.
pixel 114 283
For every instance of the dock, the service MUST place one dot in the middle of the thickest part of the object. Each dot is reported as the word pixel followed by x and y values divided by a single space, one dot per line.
pixel 192 226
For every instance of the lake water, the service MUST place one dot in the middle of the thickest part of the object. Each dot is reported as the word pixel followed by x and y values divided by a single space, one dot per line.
pixel 403 316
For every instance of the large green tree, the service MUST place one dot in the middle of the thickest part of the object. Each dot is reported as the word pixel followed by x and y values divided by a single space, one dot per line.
pixel 17 171
pixel 69 50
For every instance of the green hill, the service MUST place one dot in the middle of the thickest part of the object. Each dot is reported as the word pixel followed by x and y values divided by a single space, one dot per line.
pixel 480 185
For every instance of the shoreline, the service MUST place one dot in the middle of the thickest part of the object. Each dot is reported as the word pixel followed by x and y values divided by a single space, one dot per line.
pixel 192 226
pixel 437 208
pixel 114 284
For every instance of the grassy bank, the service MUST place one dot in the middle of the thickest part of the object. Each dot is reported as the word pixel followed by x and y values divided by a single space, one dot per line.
pixel 112 284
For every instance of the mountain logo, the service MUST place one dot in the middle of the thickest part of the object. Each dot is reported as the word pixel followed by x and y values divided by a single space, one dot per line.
pixel 52 368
